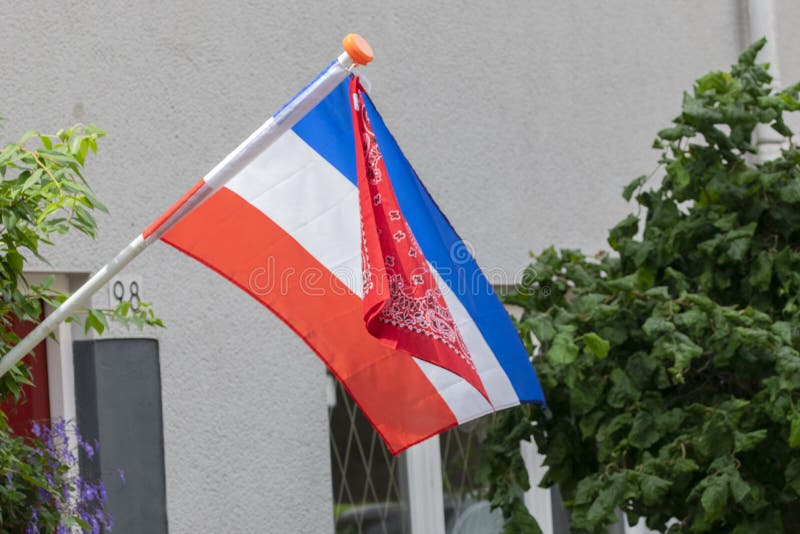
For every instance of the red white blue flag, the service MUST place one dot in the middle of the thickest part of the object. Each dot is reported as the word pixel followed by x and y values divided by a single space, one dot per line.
pixel 332 230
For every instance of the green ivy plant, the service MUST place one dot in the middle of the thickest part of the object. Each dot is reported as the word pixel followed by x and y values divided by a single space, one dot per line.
pixel 671 366
pixel 43 194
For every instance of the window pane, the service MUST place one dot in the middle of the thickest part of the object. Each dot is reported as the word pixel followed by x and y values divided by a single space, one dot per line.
pixel 465 511
pixel 367 486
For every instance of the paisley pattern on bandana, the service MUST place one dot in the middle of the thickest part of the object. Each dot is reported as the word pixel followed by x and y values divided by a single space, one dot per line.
pixel 403 305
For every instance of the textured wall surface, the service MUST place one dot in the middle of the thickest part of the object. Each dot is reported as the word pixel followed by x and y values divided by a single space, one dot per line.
pixel 524 118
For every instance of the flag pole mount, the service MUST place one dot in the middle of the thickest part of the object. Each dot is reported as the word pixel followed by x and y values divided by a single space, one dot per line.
pixel 357 48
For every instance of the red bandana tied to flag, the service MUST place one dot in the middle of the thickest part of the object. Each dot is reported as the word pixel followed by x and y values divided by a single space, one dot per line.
pixel 403 306
pixel 331 229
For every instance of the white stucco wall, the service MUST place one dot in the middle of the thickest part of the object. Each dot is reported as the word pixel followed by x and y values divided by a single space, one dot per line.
pixel 524 118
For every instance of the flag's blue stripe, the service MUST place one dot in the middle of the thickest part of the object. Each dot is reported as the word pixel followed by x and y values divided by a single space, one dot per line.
pixel 328 130
pixel 278 116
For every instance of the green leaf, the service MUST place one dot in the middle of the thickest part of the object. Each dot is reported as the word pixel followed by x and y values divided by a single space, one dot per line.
pixel 627 193
pixel 32 180
pixel 653 488
pixel 770 523
pixel 748 57
pixel 739 489
pixel 761 271
pixel 564 350
pixel 792 476
pixel 626 228
pixel 542 326
pixel 640 368
pixel 28 135
pixel 794 431
pixel 645 278
pixel 790 192
pixel 714 498
pixel 727 222
pixel 46 142
pixel 746 441
pixel 602 509
pixel 622 391
pixel 783 330
pixel 644 431
pixel 10 219
pixel 95 320
pixel 659 293
pixel 598 346
pixel 781 127
pixel 716 81
pixel 680 348
pixel 588 423
pixel 15 261
pixel 675 133
pixel 587 490
pixel 654 327
pixel 680 176
pixel 625 283
pixel 738 249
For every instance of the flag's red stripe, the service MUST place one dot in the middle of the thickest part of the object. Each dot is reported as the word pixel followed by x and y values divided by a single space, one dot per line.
pixel 172 209
pixel 237 240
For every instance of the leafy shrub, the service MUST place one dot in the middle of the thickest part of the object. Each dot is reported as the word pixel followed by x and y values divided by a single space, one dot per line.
pixel 43 194
pixel 671 367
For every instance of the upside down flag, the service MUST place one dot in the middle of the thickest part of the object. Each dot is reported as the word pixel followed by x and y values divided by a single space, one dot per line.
pixel 332 230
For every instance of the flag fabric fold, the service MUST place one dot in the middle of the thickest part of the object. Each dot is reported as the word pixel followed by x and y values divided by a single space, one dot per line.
pixel 332 230
pixel 403 306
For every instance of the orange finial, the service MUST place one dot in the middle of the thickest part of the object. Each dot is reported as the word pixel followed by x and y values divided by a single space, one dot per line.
pixel 357 48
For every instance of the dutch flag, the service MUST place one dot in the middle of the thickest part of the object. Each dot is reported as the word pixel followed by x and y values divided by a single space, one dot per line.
pixel 331 229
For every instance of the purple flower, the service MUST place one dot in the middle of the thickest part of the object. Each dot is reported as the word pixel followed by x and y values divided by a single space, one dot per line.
pixel 60 428
pixel 68 456
pixel 101 490
pixel 88 449
pixel 68 496
pixel 33 526
pixel 87 492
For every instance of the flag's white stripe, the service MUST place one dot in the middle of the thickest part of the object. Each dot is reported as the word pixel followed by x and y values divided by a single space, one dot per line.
pixel 311 200
pixel 464 400
pixel 457 392
pixel 318 206
pixel 494 378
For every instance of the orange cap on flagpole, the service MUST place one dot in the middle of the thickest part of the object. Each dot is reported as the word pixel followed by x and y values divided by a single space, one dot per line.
pixel 357 48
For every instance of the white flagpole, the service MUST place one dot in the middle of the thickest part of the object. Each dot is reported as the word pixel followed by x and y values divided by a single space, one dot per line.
pixel 357 52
